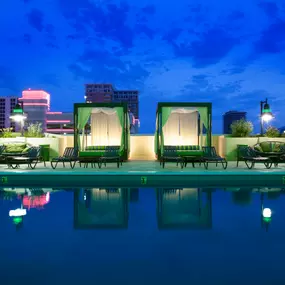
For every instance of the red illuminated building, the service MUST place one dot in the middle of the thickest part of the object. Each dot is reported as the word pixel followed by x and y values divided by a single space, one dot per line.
pixel 36 104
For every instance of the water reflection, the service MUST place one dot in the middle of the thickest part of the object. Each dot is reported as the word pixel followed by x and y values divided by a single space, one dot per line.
pixel 101 208
pixel 184 208
pixel 176 208
pixel 28 198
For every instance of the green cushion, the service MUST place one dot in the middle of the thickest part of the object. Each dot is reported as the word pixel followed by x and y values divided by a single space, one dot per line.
pixel 96 147
pixel 190 152
pixel 276 147
pixel 187 147
pixel 26 149
pixel 23 145
pixel 266 146
pixel 14 148
pixel 258 148
pixel 91 153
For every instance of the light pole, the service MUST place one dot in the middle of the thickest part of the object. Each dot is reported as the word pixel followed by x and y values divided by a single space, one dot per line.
pixel 265 114
pixel 19 116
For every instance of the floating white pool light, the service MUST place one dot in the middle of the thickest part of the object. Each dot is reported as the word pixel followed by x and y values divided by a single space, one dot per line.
pixel 18 213
pixel 266 213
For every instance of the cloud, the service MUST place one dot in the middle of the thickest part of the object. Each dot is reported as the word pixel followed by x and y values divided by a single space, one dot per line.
pixel 50 79
pixel 106 67
pixel 205 89
pixel 52 45
pixel 27 38
pixel 35 19
pixel 272 39
pixel 172 35
pixel 212 46
pixel 149 10
pixel 106 22
pixel 270 9
pixel 8 80
pixel 77 71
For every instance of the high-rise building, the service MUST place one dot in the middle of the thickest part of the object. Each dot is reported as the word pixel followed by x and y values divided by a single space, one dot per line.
pixel 7 104
pixel 230 117
pixel 99 93
pixel 36 104
pixel 105 92
pixel 59 123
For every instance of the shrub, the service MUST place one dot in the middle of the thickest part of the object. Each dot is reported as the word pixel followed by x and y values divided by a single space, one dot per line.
pixel 34 131
pixel 6 133
pixel 272 132
pixel 241 128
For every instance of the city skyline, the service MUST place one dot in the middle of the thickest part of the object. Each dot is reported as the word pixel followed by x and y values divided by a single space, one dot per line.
pixel 229 54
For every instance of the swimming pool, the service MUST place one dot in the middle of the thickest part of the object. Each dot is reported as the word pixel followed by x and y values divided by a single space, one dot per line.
pixel 138 236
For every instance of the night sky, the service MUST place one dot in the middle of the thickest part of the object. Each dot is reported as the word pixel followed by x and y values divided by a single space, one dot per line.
pixel 231 53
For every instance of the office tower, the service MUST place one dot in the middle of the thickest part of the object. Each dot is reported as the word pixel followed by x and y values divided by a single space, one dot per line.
pixel 230 117
pixel 7 104
pixel 100 93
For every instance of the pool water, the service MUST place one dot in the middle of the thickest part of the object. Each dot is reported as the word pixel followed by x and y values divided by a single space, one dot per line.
pixel 142 236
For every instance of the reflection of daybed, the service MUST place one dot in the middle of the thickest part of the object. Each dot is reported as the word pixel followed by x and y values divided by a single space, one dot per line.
pixel 184 208
pixel 179 131
pixel 109 137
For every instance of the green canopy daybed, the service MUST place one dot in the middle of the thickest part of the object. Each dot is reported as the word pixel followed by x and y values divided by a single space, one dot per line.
pixel 109 127
pixel 184 208
pixel 101 208
pixel 181 125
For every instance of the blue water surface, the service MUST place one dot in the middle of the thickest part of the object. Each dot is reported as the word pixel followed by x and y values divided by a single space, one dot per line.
pixel 142 236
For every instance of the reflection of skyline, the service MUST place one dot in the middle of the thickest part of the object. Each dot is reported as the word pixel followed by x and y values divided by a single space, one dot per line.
pixel 184 208
pixel 29 198
pixel 100 208
pixel 175 207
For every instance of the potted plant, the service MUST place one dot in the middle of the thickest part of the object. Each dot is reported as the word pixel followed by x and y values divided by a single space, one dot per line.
pixel 34 131
pixel 241 128
pixel 272 132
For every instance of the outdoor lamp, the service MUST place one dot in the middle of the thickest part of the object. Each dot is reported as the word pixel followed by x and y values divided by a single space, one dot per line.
pixel 18 115
pixel 265 114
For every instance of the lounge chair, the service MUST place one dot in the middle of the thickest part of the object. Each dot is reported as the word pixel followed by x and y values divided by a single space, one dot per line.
pixel 250 157
pixel 70 155
pixel 32 158
pixel 112 154
pixel 210 156
pixel 2 157
pixel 170 154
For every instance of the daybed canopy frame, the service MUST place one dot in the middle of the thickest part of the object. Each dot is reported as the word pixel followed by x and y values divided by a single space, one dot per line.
pixel 118 112
pixel 166 110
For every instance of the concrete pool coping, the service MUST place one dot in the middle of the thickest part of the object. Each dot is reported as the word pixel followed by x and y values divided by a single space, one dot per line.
pixel 143 174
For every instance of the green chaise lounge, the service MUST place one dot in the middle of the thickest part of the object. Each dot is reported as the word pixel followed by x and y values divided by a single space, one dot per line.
pixel 70 155
pixel 32 158
pixel 100 155
pixel 181 154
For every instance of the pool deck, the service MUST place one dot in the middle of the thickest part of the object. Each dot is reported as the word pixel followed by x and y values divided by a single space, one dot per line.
pixel 143 174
